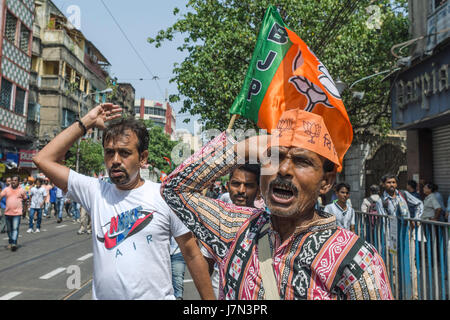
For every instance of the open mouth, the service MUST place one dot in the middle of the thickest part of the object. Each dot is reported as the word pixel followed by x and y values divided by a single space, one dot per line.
pixel 283 193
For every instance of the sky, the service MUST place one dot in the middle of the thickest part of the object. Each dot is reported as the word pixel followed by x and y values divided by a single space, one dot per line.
pixel 138 19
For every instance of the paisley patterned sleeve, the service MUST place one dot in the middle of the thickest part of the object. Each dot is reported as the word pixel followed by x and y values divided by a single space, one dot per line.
pixel 213 222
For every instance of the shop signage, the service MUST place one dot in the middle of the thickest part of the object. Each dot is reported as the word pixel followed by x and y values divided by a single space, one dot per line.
pixel 26 158
pixel 422 91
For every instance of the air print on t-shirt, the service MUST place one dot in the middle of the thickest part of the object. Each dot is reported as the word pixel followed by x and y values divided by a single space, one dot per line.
pixel 125 225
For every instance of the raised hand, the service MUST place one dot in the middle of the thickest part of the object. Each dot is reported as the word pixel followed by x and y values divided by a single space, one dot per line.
pixel 102 113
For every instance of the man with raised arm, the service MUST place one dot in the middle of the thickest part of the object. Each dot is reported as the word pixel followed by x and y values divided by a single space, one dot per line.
pixel 294 251
pixel 131 223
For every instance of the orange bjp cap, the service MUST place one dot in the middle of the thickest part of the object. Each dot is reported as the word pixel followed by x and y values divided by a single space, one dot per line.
pixel 307 130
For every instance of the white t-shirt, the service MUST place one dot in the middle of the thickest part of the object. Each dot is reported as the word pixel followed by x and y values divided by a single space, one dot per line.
pixel 344 218
pixel 131 232
pixel 37 197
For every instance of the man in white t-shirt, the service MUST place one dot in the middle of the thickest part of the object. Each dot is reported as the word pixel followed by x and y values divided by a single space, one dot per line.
pixel 131 223
pixel 345 215
pixel 37 200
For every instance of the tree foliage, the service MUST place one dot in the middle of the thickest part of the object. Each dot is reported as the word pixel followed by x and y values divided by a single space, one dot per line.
pixel 159 146
pixel 220 36
pixel 90 157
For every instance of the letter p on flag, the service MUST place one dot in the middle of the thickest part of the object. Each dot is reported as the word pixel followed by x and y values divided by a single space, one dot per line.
pixel 285 74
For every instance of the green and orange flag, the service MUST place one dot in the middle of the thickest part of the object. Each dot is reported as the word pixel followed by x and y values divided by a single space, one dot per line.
pixel 285 74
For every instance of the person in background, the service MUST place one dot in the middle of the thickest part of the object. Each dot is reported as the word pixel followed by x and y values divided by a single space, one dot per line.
pixel 411 187
pixel 243 187
pixel 440 199
pixel 28 184
pixel 432 209
pixel 3 206
pixel 369 204
pixel 15 196
pixel 85 222
pixel 59 204
pixel 75 210
pixel 345 215
pixel 47 186
pixel 37 196
pixel 52 195
pixel 178 266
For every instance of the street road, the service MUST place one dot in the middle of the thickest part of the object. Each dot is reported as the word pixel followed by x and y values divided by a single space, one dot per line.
pixel 49 265
pixel 55 264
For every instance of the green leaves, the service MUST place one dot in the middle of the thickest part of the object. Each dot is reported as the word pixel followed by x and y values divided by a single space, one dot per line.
pixel 159 146
pixel 90 157
pixel 220 35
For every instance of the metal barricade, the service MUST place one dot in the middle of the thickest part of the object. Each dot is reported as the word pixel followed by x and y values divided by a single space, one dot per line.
pixel 416 253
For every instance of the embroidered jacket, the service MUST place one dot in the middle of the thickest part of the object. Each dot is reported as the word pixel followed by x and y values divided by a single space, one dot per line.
pixel 319 261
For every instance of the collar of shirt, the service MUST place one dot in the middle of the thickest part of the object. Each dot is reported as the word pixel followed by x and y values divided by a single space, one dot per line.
pixel 340 209
pixel 326 221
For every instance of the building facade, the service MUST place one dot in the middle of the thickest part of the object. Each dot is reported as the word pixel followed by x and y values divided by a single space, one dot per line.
pixel 125 96
pixel 161 113
pixel 184 136
pixel 16 103
pixel 421 96
pixel 69 69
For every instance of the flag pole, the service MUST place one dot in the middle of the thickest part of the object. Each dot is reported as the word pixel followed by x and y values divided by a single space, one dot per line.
pixel 233 118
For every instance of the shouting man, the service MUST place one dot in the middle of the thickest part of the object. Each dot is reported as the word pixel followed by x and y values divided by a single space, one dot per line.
pixel 308 257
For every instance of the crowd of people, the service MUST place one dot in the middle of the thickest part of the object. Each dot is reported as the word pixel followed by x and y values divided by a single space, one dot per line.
pixel 31 199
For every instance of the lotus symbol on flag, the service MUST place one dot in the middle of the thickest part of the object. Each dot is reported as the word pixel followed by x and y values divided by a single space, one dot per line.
pixel 314 93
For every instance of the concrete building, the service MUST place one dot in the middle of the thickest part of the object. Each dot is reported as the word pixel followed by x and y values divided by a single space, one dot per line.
pixel 125 96
pixel 421 94
pixel 161 113
pixel 69 70
pixel 17 106
pixel 183 135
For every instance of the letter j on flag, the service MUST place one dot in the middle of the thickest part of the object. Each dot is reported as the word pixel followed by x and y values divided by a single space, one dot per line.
pixel 285 74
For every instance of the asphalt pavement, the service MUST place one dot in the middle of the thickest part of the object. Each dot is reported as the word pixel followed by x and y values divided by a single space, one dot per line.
pixel 50 265
pixel 55 264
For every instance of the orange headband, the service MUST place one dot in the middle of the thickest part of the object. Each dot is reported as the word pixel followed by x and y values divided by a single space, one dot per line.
pixel 303 129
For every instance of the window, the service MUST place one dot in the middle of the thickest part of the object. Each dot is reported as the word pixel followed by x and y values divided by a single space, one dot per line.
pixel 24 38
pixel 20 101
pixel 438 3
pixel 10 27
pixel 68 117
pixel 5 95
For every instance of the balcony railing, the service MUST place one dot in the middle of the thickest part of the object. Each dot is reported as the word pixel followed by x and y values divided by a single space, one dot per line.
pixel 60 37
pixel 50 82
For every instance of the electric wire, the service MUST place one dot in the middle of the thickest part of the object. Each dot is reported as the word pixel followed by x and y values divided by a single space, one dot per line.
pixel 134 49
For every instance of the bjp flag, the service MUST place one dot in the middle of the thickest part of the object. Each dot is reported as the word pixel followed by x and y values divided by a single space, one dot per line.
pixel 285 74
